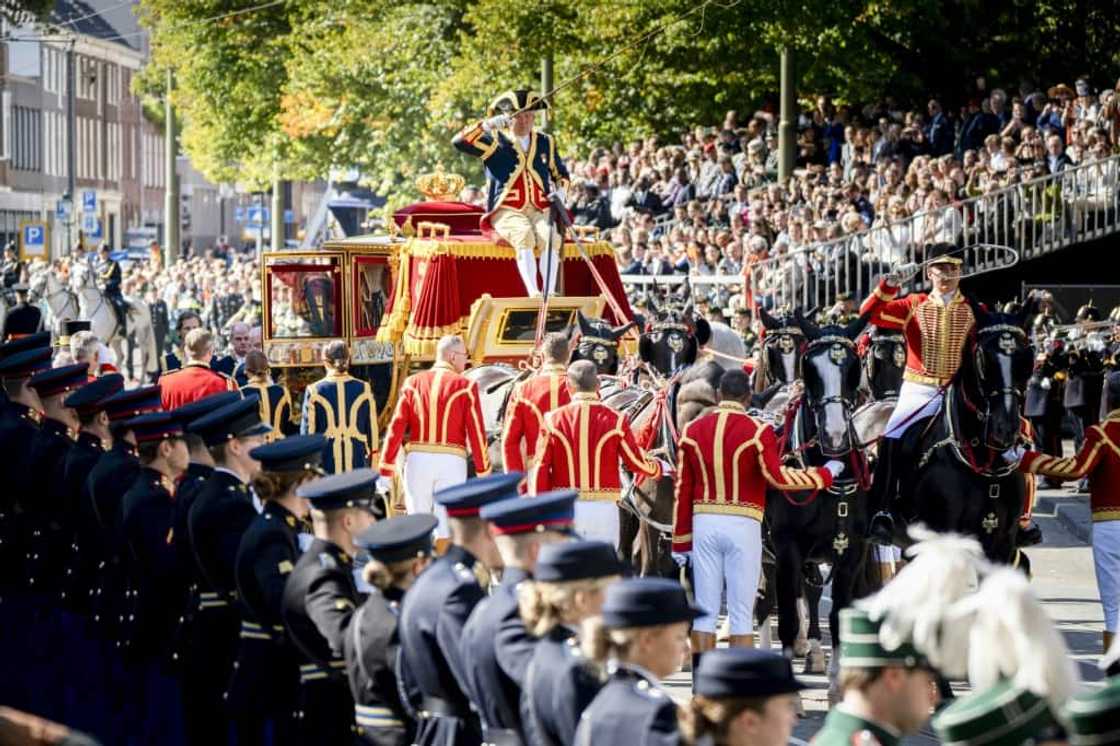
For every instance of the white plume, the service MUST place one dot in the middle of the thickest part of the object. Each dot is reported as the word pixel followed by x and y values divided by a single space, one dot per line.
pixel 1010 636
pixel 943 569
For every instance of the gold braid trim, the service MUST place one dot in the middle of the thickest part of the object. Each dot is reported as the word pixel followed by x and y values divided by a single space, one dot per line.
pixel 426 248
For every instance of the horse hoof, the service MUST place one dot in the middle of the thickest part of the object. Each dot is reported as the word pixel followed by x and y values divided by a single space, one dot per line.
pixel 814 660
pixel 801 648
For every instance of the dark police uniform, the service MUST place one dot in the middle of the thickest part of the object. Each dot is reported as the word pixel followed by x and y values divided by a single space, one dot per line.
pixel 18 427
pixel 319 600
pixel 109 274
pixel 217 520
pixel 382 702
pixel 650 715
pixel 559 682
pixel 49 522
pixel 432 617
pixel 158 582
pixel 1042 403
pixel 496 647
pixel 264 690
pixel 80 460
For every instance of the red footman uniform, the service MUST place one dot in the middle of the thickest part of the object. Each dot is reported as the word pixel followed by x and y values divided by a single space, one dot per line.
pixel 529 402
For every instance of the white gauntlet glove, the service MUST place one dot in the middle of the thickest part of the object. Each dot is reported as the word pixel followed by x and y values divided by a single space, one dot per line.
pixel 836 468
pixel 498 122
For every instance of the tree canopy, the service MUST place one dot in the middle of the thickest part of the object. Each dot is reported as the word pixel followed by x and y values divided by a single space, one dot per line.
pixel 296 88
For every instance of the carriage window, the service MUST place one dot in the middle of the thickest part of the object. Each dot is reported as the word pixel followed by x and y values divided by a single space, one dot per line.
pixel 373 294
pixel 305 299
pixel 521 325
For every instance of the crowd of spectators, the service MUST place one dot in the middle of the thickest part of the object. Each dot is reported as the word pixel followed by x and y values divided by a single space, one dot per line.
pixel 884 177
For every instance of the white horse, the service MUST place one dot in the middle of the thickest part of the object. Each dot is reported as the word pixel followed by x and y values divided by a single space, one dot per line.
pixel 55 299
pixel 93 305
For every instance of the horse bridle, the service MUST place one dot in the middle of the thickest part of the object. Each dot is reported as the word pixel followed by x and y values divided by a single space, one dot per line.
pixel 62 288
pixel 978 361
pixel 817 406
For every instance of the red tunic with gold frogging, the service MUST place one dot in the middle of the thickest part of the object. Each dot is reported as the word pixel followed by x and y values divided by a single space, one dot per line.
pixel 1099 459
pixel 725 462
pixel 582 446
pixel 530 401
pixel 935 332
pixel 438 411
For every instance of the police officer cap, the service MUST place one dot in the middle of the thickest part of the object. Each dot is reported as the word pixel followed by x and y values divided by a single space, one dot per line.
pixel 743 672
pixel 464 500
pixel 549 511
pixel 89 399
pixel 297 453
pixel 400 538
pixel 60 380
pixel 352 489
pixel 155 426
pixel 30 342
pixel 25 364
pixel 188 413
pixel 577 560
pixel 241 419
pixel 646 602
pixel 125 405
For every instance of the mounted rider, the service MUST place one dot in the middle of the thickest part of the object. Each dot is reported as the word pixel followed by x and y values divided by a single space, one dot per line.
pixel 13 270
pixel 523 173
pixel 937 326
pixel 109 278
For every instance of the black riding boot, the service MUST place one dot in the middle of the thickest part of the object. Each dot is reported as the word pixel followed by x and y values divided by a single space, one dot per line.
pixel 884 488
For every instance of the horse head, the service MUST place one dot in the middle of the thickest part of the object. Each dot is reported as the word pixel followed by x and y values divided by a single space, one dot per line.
pixel 598 342
pixel 995 371
pixel 831 369
pixel 783 342
pixel 672 339
pixel 884 362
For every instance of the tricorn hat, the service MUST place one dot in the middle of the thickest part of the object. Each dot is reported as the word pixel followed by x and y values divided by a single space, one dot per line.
pixel 511 102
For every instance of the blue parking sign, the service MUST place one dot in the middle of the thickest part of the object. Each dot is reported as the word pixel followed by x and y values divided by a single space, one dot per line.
pixel 89 201
pixel 91 226
pixel 258 215
pixel 33 240
pixel 239 214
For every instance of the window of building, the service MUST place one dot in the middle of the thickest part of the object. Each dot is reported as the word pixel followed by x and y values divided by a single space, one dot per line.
pixel 27 139
pixel 112 84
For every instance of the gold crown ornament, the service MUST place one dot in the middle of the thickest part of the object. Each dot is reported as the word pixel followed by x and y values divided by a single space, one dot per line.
pixel 440 186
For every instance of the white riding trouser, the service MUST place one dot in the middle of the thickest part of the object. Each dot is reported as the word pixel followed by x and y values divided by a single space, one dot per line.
pixel 915 401
pixel 1106 562
pixel 726 549
pixel 426 473
pixel 598 520
pixel 527 231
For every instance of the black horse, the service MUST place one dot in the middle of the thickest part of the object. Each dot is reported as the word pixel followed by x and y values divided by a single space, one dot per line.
pixel 672 339
pixel 952 474
pixel 598 342
pixel 783 342
pixel 829 525
pixel 884 362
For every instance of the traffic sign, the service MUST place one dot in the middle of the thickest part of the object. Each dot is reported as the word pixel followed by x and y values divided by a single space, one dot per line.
pixel 89 201
pixel 33 240
pixel 239 214
pixel 289 217
pixel 62 209
pixel 258 215
pixel 91 226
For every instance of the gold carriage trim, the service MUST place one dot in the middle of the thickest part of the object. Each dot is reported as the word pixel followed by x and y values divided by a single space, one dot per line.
pixel 421 341
pixel 750 511
pixel 426 248
pixel 1107 514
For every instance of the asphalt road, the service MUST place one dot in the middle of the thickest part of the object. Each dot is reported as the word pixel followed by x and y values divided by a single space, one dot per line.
pixel 1063 577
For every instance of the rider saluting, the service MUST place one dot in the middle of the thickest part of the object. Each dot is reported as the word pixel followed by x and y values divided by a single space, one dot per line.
pixel 109 276
pixel 937 326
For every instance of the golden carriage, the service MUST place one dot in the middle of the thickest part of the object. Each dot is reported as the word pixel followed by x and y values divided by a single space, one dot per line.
pixel 391 297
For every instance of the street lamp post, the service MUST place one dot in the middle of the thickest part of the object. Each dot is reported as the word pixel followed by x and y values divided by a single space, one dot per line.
pixel 787 122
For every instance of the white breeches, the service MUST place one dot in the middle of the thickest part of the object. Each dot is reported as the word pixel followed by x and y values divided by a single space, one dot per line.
pixel 915 401
pixel 598 520
pixel 1106 562
pixel 726 549
pixel 527 231
pixel 426 473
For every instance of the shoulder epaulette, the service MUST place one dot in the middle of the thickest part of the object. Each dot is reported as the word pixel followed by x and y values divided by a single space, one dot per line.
pixel 327 561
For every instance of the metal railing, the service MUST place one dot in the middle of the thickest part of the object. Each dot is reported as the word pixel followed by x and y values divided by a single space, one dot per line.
pixel 1035 217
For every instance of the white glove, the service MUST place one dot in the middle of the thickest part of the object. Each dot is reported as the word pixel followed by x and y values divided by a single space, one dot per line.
pixel 681 558
pixel 559 194
pixel 382 484
pixel 499 122
pixel 666 467
pixel 1014 455
pixel 836 468
pixel 902 273
pixel 1045 384
pixel 1095 343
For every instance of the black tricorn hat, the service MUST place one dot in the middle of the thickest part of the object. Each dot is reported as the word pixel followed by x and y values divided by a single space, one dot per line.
pixel 511 102
pixel 944 253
